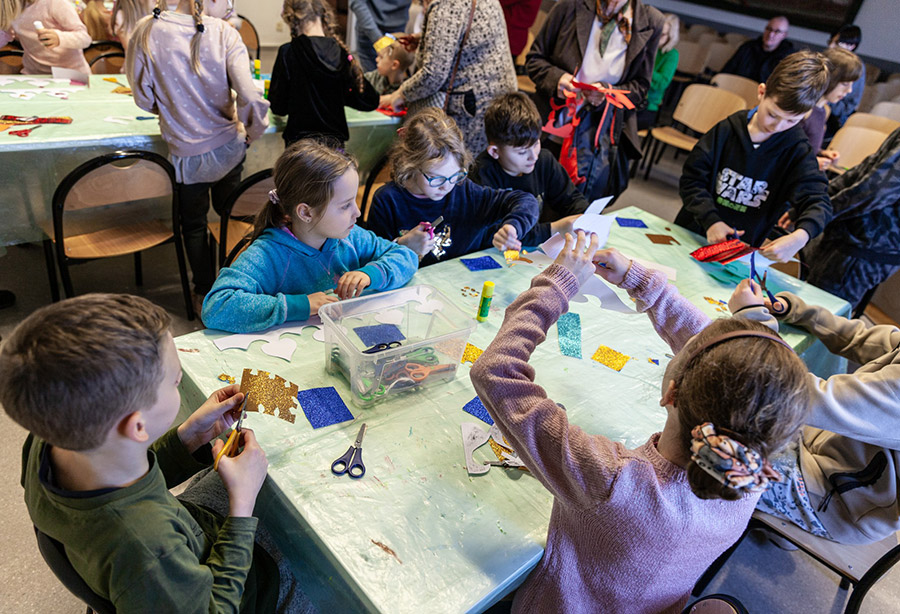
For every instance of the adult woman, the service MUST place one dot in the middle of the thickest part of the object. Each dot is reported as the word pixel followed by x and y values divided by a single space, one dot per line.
pixel 606 43
pixel 663 71
pixel 485 68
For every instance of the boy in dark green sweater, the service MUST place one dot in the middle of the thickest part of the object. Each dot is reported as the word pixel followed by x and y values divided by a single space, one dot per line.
pixel 95 380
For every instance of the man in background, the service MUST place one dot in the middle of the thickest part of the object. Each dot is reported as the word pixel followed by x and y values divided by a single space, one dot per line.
pixel 756 58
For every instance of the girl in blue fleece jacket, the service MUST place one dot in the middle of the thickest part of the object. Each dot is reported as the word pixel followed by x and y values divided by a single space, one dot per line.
pixel 305 242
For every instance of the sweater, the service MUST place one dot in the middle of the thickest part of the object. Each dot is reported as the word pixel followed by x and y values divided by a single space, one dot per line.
pixel 474 214
pixel 663 71
pixel 752 61
pixel 380 83
pixel 138 546
pixel 197 112
pixel 726 179
pixel 269 282
pixel 814 127
pixel 626 533
pixel 549 182
pixel 57 15
pixel 850 453
pixel 379 18
pixel 311 83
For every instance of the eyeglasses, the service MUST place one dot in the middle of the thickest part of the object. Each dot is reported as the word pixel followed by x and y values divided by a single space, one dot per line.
pixel 774 31
pixel 437 181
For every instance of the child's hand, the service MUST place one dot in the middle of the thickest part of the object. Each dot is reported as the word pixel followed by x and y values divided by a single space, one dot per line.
pixel 393 101
pixel 779 307
pixel 824 163
pixel 564 224
pixel 748 293
pixel 785 222
pixel 784 248
pixel 612 265
pixel 244 474
pixel 831 154
pixel 578 255
pixel 49 38
pixel 418 240
pixel 507 238
pixel 565 85
pixel 317 299
pixel 218 413
pixel 351 284
pixel 410 42
pixel 720 231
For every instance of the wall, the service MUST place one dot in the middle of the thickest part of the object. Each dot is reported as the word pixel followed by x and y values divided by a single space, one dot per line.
pixel 266 16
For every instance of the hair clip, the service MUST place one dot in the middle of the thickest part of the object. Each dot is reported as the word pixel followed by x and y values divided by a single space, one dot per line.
pixel 200 28
pixel 350 56
pixel 156 12
pixel 273 197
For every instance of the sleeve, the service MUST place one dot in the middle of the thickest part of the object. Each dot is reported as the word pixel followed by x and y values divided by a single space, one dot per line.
pixel 365 20
pixel 519 209
pixel 808 193
pixel 72 32
pixel 365 100
pixel 559 191
pixel 175 462
pixel 699 175
pixel 140 76
pixel 279 84
pixel 538 62
pixel 663 77
pixel 758 313
pixel 5 37
pixel 252 108
pixel 870 185
pixel 389 265
pixel 674 317
pixel 437 51
pixel 577 468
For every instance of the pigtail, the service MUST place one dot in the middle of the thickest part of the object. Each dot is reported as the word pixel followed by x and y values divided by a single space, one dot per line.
pixel 197 14
pixel 273 215
pixel 330 29
pixel 142 30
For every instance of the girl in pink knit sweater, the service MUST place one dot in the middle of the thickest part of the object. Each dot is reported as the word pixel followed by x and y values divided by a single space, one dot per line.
pixel 632 530
pixel 50 31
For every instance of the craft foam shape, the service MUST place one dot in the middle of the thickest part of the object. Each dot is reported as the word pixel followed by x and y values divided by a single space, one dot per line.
pixel 568 328
pixel 482 263
pixel 272 394
pixel 394 316
pixel 474 437
pixel 599 205
pixel 610 357
pixel 471 353
pixel 430 306
pixel 243 341
pixel 476 408
pixel 282 348
pixel 630 222
pixel 323 406
pixel 502 448
pixel 663 239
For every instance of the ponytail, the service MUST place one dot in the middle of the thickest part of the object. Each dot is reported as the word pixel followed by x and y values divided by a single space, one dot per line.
pixel 197 14
pixel 142 31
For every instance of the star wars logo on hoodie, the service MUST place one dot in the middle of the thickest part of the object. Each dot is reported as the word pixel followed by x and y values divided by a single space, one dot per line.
pixel 738 192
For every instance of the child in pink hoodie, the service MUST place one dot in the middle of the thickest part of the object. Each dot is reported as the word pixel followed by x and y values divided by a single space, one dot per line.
pixel 59 40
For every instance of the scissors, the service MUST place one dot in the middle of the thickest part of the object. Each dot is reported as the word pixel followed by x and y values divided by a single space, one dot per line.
pixel 430 226
pixel 424 356
pixel 419 372
pixel 351 463
pixel 761 280
pixel 380 347
pixel 231 444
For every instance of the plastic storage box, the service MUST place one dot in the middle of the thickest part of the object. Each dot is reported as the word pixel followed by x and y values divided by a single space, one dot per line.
pixel 394 342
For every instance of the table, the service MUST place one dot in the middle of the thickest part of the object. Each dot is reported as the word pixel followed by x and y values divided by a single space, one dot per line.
pixel 34 165
pixel 457 542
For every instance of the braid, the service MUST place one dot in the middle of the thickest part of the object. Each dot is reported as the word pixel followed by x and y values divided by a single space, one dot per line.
pixel 197 14
pixel 142 31
pixel 328 26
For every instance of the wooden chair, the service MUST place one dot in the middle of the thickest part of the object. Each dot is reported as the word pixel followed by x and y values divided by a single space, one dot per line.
pixel 11 61
pixel 747 89
pixel 855 144
pixel 858 566
pixel 735 38
pixel 250 37
pixel 881 122
pixel 872 73
pixel 692 57
pixel 696 30
pixel 719 53
pixel 100 47
pixel 378 176
pixel 708 38
pixel 108 63
pixel 701 107
pixel 887 109
pixel 115 204
pixel 240 209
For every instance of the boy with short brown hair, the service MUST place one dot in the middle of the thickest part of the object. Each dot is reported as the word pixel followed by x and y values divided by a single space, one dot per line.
pixel 95 379
pixel 392 63
pixel 750 167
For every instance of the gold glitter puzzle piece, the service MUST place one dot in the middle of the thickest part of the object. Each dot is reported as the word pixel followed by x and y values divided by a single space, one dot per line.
pixel 611 358
pixel 224 377
pixel 714 301
pixel 273 394
pixel 471 354
pixel 500 450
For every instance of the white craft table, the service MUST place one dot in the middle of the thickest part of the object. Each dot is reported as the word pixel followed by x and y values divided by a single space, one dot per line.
pixel 417 533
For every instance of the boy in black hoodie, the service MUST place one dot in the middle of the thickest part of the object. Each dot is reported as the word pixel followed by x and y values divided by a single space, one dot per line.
pixel 752 166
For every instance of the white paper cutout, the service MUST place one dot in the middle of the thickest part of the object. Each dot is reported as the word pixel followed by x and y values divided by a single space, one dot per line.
pixel 599 205
pixel 242 341
pixel 473 438
pixel 430 306
pixel 319 335
pixel 22 95
pixel 71 75
pixel 282 348
pixel 394 316
pixel 117 119
pixel 595 286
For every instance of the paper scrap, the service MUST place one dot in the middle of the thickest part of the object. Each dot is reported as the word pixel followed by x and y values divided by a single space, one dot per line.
pixel 598 224
pixel 482 263
pixel 569 330
pixel 599 205
pixel 630 222
pixel 471 353
pixel 323 406
pixel 282 348
pixel 272 394
pixel 378 333
pixel 662 239
pixel 473 438
pixel 477 409
pixel 610 357
pixel 243 341
pixel 75 77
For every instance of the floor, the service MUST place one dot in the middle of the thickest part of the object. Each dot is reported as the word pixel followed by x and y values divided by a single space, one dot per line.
pixel 765 578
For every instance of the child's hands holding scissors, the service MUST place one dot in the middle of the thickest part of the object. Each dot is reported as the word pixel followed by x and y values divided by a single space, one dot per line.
pixel 612 265
pixel 351 284
pixel 244 474
pixel 418 239
pixel 217 414
pixel 720 231
pixel 317 299
pixel 507 238
pixel 578 255
pixel 747 294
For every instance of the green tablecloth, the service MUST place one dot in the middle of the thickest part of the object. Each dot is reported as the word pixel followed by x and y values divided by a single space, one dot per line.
pixel 33 166
pixel 459 542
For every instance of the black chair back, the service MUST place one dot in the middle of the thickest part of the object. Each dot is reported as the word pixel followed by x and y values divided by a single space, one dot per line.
pixel 54 554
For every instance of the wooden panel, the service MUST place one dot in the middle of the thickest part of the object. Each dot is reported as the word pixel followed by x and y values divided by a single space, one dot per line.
pixel 112 184
pixel 117 241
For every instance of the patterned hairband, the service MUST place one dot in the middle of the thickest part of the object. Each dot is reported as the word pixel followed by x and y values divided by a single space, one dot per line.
pixel 729 461
pixel 273 197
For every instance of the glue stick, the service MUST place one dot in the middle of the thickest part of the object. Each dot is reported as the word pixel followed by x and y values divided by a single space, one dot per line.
pixel 256 66
pixel 484 306
pixel 266 89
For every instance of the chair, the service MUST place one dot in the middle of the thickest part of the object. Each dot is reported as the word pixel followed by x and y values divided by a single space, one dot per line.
pixel 887 109
pixel 380 174
pixel 735 38
pixel 54 554
pixel 855 144
pixel 880 121
pixel 250 37
pixel 701 107
pixel 716 604
pixel 696 30
pixel 748 89
pixel 100 47
pixel 240 208
pixel 708 38
pixel 858 566
pixel 692 57
pixel 872 73
pixel 112 205
pixel 108 63
pixel 719 53
pixel 11 61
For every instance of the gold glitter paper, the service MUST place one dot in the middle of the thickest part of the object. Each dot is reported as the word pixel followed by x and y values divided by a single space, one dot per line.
pixel 224 377
pixel 471 353
pixel 511 255
pixel 714 301
pixel 501 451
pixel 273 394
pixel 611 358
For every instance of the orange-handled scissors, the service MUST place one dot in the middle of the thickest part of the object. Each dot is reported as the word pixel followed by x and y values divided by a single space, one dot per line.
pixel 419 372
pixel 232 443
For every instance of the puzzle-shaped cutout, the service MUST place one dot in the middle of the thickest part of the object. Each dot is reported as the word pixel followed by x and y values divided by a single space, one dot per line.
pixel 271 393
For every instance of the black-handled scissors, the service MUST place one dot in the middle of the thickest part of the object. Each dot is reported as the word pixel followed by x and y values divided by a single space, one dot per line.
pixel 754 274
pixel 351 463
pixel 380 347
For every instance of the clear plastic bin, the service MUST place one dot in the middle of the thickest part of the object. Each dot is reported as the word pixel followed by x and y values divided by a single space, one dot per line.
pixel 422 334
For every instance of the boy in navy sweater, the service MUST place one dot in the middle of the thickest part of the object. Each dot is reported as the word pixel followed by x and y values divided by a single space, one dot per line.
pixel 744 173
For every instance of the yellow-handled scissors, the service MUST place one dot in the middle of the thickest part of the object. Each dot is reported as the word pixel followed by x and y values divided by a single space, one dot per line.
pixel 233 442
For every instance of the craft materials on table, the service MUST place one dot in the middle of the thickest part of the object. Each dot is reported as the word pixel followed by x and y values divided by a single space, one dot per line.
pixel 477 409
pixel 323 406
pixel 474 437
pixel 351 462
pixel 257 65
pixel 482 263
pixel 275 346
pixel 469 291
pixel 722 252
pixel 471 353
pixel 662 239
pixel 272 394
pixel 630 222
pixel 610 357
pixel 232 444
pixel 569 332
pixel 484 305
pixel 379 334
pixel 754 275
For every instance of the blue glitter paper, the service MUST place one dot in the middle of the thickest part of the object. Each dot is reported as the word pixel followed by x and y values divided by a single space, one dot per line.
pixel 476 408
pixel 484 263
pixel 379 333
pixel 569 330
pixel 323 406
pixel 630 222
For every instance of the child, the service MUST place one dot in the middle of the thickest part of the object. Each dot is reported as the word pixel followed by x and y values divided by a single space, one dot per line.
pixel 305 242
pixel 57 43
pixel 125 15
pixel 392 64
pixel 207 136
pixel 632 530
pixel 96 19
pixel 428 163
pixel 315 76
pixel 845 70
pixel 744 172
pixel 95 381
pixel 514 161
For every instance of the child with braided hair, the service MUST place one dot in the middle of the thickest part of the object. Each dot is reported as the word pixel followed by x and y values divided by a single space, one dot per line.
pixel 633 529
pixel 206 128
pixel 315 76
